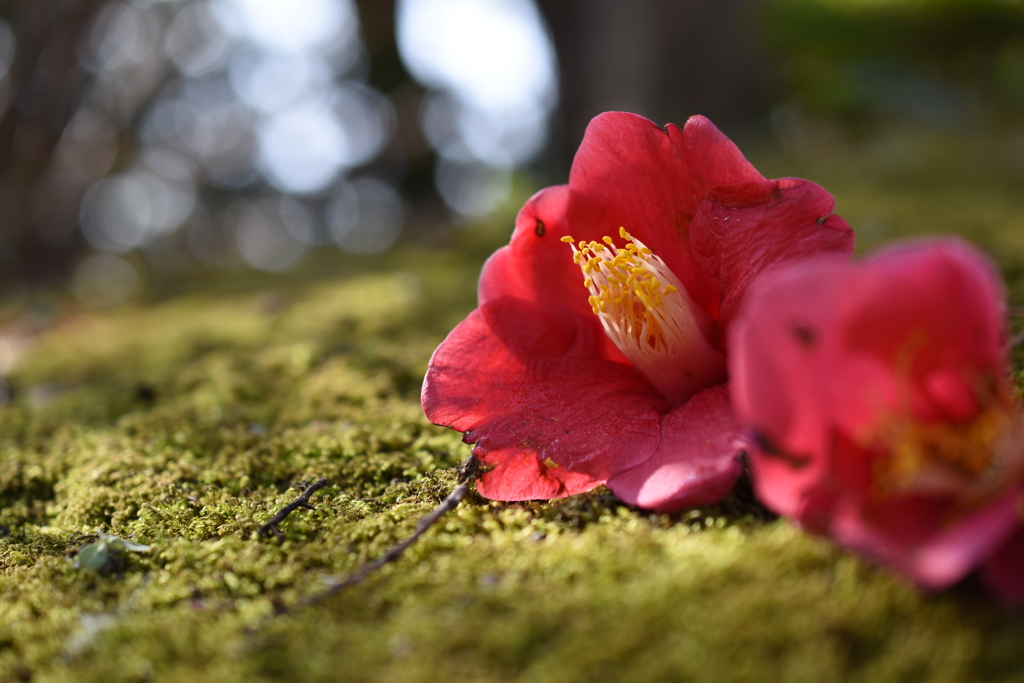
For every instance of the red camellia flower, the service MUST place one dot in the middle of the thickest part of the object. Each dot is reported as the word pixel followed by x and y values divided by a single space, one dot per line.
pixel 883 414
pixel 597 352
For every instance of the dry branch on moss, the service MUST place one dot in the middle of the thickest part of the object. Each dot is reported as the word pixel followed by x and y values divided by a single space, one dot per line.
pixel 468 472
pixel 301 502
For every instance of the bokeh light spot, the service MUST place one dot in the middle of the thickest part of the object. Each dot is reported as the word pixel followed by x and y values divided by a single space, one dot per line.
pixel 493 67
pixel 289 26
pixel 365 216
pixel 272 234
pixel 195 43
pixel 302 148
pixel 493 54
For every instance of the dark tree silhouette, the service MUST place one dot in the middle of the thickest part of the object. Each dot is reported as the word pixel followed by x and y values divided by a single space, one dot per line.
pixel 43 86
pixel 665 59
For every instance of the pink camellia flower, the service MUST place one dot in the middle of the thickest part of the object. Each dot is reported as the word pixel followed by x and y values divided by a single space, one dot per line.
pixel 597 352
pixel 879 397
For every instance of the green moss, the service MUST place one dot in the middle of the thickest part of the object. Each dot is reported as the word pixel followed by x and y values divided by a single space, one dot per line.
pixel 187 422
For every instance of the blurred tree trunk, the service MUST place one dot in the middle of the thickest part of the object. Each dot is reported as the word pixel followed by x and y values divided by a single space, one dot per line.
pixel 665 59
pixel 43 87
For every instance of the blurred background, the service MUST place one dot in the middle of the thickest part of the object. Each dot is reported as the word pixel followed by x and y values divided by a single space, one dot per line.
pixel 147 142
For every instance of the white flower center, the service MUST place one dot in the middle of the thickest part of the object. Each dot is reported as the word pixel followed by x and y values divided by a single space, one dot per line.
pixel 648 313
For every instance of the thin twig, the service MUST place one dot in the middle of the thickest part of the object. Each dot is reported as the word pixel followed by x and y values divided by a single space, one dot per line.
pixel 468 472
pixel 300 502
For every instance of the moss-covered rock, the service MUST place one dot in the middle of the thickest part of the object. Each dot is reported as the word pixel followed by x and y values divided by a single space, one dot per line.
pixel 185 423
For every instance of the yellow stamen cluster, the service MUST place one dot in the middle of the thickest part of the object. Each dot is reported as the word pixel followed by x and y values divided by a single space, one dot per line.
pixel 649 315
pixel 628 283
pixel 928 457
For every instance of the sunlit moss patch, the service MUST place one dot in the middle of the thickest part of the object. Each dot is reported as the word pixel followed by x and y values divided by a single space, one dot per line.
pixel 185 423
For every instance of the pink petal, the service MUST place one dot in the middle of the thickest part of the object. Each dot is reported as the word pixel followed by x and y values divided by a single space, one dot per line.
pixel 742 230
pixel 778 354
pixel 823 353
pixel 934 316
pixel 917 330
pixel 910 536
pixel 823 345
pixel 697 461
pixel 526 384
pixel 535 265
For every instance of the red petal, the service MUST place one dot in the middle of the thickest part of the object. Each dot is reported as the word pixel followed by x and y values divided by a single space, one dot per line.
pixel 627 173
pixel 912 536
pixel 630 173
pixel 697 461
pixel 537 267
pixel 742 230
pixel 526 384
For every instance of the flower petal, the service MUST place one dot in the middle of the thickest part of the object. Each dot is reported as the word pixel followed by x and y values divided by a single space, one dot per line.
pixel 924 546
pixel 827 357
pixel 536 265
pixel 697 461
pixel 824 344
pixel 526 384
pixel 631 173
pixel 628 173
pixel 778 348
pixel 742 230
pixel 932 315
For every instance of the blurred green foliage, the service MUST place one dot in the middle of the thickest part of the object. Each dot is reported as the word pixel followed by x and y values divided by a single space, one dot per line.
pixel 929 60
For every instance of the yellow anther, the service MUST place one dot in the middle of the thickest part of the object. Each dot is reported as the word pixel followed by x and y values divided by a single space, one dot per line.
pixel 628 283
pixel 648 314
pixel 915 450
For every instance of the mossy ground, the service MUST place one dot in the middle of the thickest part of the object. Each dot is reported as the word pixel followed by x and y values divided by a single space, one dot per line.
pixel 186 422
